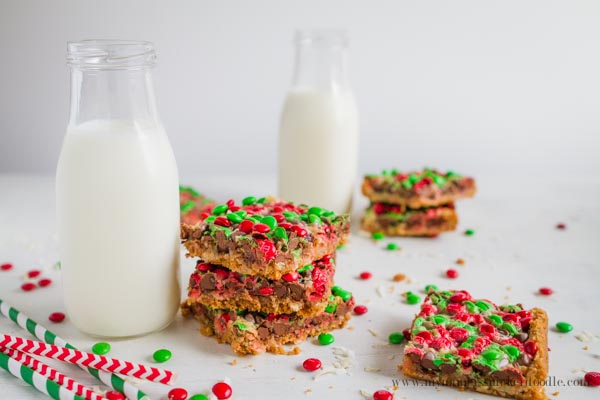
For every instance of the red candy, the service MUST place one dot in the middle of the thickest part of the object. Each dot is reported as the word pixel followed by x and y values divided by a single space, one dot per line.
pixel 279 218
pixel 177 394
pixel 382 395
pixel 230 203
pixel 57 317
pixel 114 395
pixel 592 378
pixel 268 249
pixel 311 364
pixel 6 266
pixel 222 221
pixel 34 273
pixel 546 291
pixel 530 347
pixel 222 390
pixel 203 267
pixel 426 335
pixel 365 275
pixel 360 310
pixel 406 333
pixel 246 226
pixel 28 286
pixel 452 273
pixel 487 329
pixel 458 297
pixel 266 291
pixel 45 282
pixel 459 334
pixel 300 231
pixel 291 276
pixel 561 226
pixel 262 228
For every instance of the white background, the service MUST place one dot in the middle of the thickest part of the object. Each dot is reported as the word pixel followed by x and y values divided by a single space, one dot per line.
pixel 474 86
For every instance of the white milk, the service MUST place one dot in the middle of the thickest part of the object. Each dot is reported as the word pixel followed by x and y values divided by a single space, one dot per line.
pixel 118 223
pixel 318 148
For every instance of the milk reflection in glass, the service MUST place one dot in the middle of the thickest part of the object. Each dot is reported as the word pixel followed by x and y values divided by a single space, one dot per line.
pixel 117 205
pixel 319 131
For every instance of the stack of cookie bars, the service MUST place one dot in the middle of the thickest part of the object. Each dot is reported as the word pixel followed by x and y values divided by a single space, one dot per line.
pixel 414 203
pixel 264 273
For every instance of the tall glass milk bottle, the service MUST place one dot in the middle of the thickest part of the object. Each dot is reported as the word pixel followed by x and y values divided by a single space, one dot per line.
pixel 117 195
pixel 319 132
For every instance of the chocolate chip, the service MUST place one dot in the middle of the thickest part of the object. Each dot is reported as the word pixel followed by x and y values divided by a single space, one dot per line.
pixel 448 368
pixel 263 332
pixel 296 292
pixel 484 369
pixel 522 337
pixel 208 281
pixel 281 291
pixel 280 329
pixel 427 361
pixel 507 374
pixel 524 359
pixel 293 243
pixel 221 238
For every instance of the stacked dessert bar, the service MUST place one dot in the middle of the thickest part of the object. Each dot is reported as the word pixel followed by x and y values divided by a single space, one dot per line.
pixel 414 203
pixel 264 274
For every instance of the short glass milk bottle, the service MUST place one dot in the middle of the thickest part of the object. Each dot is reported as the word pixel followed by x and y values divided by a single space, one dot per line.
pixel 117 195
pixel 319 131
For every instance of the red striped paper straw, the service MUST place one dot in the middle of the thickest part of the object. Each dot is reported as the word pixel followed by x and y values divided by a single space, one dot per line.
pixel 54 375
pixel 81 358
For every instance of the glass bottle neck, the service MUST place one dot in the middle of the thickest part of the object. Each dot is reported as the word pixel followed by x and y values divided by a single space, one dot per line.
pixel 320 65
pixel 112 94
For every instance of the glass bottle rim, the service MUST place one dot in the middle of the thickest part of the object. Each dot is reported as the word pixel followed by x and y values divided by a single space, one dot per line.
pixel 109 54
pixel 326 37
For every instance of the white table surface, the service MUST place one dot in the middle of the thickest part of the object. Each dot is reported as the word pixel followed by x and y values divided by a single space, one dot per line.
pixel 516 250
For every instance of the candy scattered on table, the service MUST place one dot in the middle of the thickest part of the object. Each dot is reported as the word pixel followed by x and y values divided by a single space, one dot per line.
pixel 45 282
pixel 365 275
pixel 222 390
pixel 561 226
pixel 546 291
pixel 592 378
pixel 396 337
pixel 431 287
pixel 326 339
pixel 392 246
pixel 162 355
pixel 199 396
pixel 34 273
pixel 360 310
pixel 469 232
pixel 177 394
pixel 460 261
pixel 56 317
pixel 28 286
pixel 114 395
pixel 382 395
pixel 377 236
pixel 564 327
pixel 101 348
pixel 311 364
pixel 452 273
pixel 6 267
pixel 399 277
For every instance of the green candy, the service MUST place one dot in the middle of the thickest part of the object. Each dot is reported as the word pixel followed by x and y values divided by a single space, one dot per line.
pixel 439 319
pixel 240 326
pixel 341 246
pixel 564 327
pixel 280 233
pixel 407 184
pixel 491 355
pixel 412 298
pixel 190 190
pixel 220 209
pixel 471 307
pixel 162 355
pixel 331 308
pixel 101 348
pixel 512 351
pixel 392 246
pixel 290 216
pixel 495 319
pixel 510 328
pixel 210 219
pixel 306 268
pixel 188 206
pixel 483 305
pixel 413 178
pixel 235 218
pixel 344 294
pixel 326 339
pixel 429 288
pixel 328 214
pixel 314 219
pixel 261 200
pixel 439 180
pixel 318 211
pixel 469 232
pixel 335 289
pixel 199 396
pixel 241 213
pixel 248 201
pixel 396 337
pixel 270 221
pixel 377 236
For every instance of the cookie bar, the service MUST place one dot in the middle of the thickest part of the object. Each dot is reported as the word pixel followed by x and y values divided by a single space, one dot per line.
pixel 394 220
pixel 476 345
pixel 304 292
pixel 193 204
pixel 418 189
pixel 255 332
pixel 266 237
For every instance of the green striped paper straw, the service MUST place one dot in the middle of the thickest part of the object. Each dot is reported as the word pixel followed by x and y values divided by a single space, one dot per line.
pixel 43 334
pixel 41 383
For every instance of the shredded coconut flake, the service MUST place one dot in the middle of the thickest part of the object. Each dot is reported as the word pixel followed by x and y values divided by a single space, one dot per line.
pixel 366 394
pixel 344 361
pixel 372 369
pixel 587 337
pixel 373 332
pixel 381 291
